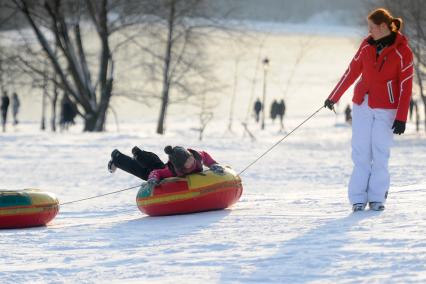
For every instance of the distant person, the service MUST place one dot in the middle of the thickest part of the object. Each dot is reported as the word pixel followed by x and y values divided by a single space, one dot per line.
pixel 4 107
pixel 348 114
pixel 15 108
pixel 273 111
pixel 257 109
pixel 281 108
pixel 68 113
pixel 380 106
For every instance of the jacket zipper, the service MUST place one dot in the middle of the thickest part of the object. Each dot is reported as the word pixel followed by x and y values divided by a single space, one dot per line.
pixel 390 92
pixel 381 65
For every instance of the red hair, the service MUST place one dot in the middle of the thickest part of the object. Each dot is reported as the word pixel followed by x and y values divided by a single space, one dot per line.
pixel 382 15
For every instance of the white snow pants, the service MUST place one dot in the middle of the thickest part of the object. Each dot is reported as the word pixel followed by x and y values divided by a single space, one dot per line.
pixel 372 138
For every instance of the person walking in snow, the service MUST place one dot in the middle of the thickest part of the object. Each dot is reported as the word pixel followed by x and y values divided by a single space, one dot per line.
pixel 380 106
pixel 281 113
pixel 15 108
pixel 274 110
pixel 348 114
pixel 257 108
pixel 68 113
pixel 148 166
pixel 4 107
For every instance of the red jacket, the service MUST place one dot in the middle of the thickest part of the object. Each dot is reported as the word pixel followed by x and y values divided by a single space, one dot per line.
pixel 201 158
pixel 387 78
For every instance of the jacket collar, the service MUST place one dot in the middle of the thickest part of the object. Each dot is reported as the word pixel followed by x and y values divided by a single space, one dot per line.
pixel 393 40
pixel 399 39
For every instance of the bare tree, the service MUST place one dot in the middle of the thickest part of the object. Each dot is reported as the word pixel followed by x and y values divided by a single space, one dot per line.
pixel 59 22
pixel 205 114
pixel 5 62
pixel 54 98
pixel 177 47
pixel 174 44
pixel 305 45
pixel 1 59
pixel 234 94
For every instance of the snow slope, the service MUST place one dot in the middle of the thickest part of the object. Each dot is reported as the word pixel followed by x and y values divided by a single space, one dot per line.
pixel 292 225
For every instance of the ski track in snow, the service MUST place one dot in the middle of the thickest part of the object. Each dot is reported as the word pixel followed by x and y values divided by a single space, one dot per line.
pixel 292 224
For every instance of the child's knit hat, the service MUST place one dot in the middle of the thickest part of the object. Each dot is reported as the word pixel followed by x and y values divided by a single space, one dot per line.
pixel 177 156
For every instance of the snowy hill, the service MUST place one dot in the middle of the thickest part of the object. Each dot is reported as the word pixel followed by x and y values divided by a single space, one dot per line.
pixel 292 224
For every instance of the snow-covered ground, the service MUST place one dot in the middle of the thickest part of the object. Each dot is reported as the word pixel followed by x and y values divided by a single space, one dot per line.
pixel 292 225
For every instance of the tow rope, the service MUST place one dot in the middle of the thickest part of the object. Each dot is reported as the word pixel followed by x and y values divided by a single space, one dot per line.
pixel 251 164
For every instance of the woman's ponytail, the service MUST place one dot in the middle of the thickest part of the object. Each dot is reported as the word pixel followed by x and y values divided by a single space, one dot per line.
pixel 396 24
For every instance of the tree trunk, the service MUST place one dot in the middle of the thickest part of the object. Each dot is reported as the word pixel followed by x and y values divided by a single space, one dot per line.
pixel 424 108
pixel 43 102
pixel 166 72
pixel 55 96
pixel 54 103
pixel 103 108
pixel 163 110
pixel 422 95
pixel 95 122
pixel 416 107
pixel 90 122
pixel 2 88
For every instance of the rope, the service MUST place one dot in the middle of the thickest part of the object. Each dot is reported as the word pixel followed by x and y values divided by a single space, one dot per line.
pixel 96 196
pixel 252 163
pixel 279 141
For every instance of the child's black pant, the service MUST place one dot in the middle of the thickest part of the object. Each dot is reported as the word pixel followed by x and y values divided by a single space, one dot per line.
pixel 141 166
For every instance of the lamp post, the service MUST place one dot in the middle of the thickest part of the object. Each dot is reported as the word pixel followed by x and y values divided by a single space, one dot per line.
pixel 265 71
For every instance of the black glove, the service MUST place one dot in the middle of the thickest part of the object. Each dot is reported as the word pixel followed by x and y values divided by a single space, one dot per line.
pixel 329 104
pixel 217 169
pixel 398 127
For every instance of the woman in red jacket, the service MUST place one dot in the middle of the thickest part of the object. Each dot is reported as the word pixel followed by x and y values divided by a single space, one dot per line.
pixel 380 104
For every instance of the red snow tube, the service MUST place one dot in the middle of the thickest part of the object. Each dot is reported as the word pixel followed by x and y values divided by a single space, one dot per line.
pixel 194 193
pixel 27 208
